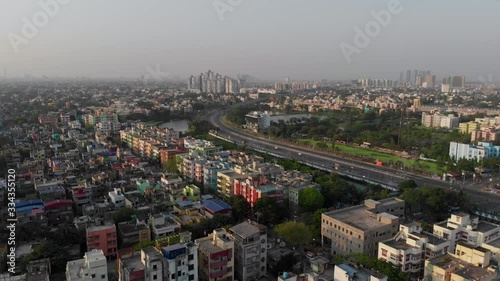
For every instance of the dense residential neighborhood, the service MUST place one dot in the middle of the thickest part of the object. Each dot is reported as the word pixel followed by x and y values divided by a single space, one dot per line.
pixel 232 140
pixel 140 200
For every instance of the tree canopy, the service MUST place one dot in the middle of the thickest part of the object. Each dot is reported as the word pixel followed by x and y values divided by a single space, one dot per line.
pixel 268 212
pixel 123 214
pixel 241 208
pixel 294 233
pixel 310 199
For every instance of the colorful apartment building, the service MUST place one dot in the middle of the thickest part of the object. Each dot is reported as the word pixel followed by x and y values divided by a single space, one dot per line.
pixel 103 237
pixel 254 188
pixel 216 256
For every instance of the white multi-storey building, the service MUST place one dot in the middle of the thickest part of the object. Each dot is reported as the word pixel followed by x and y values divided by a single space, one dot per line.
pixel 117 198
pixel 258 120
pixel 162 226
pixel 92 267
pixel 181 261
pixel 461 227
pixel 250 250
pixel 407 249
pixel 473 152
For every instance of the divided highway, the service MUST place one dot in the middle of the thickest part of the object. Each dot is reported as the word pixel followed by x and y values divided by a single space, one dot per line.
pixel 353 168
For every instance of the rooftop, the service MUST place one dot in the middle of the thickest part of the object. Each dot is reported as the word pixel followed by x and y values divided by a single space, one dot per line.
pixel 247 229
pixel 106 225
pixel 469 272
pixel 399 244
pixel 128 227
pixel 484 226
pixel 73 268
pixel 357 217
pixel 215 206
pixel 133 263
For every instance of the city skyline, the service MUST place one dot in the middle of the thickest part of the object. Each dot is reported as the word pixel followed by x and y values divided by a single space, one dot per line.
pixel 303 43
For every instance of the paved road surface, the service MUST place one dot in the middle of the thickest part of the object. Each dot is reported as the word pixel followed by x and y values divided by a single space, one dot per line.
pixel 349 167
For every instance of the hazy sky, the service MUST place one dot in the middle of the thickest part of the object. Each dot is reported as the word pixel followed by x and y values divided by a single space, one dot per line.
pixel 269 39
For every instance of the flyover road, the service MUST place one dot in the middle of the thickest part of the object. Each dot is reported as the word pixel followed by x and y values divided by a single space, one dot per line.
pixel 348 167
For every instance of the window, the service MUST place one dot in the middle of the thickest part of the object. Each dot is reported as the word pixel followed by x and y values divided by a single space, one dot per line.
pixel 155 277
pixel 190 267
pixel 173 276
pixel 190 257
pixel 154 266
pixel 103 276
pixel 93 275
pixel 191 276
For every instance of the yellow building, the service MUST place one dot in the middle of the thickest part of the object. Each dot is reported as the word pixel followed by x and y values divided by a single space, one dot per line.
pixel 467 263
pixel 468 127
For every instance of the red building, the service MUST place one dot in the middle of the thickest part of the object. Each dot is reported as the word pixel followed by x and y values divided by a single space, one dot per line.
pixel 253 188
pixel 102 237
pixel 59 211
pixel 169 153
pixel 216 256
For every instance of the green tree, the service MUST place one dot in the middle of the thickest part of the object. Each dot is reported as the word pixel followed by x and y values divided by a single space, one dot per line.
pixel 268 212
pixel 89 128
pixel 141 245
pixel 171 165
pixel 241 208
pixel 310 199
pixel 315 220
pixel 294 233
pixel 48 249
pixel 123 214
pixel 407 184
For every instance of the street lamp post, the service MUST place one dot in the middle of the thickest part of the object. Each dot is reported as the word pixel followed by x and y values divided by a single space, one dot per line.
pixel 463 179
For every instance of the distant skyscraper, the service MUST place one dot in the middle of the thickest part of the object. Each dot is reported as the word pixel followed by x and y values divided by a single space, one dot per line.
pixel 408 76
pixel 211 82
pixel 430 80
pixel 458 82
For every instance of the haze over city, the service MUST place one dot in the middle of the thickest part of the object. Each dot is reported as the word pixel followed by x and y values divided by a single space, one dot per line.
pixel 266 39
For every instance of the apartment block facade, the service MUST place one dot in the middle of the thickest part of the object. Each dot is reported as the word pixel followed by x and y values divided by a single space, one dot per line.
pixel 103 237
pixel 216 256
pixel 461 227
pixel 358 229
pixel 411 247
pixel 250 250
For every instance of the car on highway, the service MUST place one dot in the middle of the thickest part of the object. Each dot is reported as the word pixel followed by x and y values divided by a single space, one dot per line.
pixel 275 147
pixel 299 154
